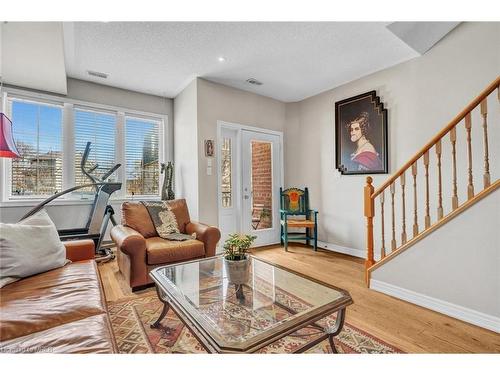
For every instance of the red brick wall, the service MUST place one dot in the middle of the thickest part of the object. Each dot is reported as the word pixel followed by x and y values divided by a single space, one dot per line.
pixel 262 181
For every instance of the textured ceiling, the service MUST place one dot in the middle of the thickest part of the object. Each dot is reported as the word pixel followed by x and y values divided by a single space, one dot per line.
pixel 293 60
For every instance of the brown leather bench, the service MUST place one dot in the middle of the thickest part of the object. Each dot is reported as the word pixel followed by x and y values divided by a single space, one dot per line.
pixel 60 311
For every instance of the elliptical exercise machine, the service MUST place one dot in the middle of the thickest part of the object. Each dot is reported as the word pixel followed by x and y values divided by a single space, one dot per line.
pixel 101 212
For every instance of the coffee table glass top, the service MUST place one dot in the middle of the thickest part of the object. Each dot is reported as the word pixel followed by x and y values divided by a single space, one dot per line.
pixel 235 315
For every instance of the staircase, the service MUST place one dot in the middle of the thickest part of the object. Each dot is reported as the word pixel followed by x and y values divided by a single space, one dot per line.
pixel 398 215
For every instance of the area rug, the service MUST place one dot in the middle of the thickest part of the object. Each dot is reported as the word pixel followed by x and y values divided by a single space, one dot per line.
pixel 131 321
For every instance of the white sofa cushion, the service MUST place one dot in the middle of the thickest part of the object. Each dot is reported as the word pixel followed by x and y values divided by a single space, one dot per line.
pixel 29 247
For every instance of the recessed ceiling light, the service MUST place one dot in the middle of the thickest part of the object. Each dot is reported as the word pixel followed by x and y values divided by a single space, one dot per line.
pixel 221 59
pixel 253 81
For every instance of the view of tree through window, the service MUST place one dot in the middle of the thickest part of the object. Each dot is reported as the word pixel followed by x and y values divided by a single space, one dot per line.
pixel 38 134
pixel 141 153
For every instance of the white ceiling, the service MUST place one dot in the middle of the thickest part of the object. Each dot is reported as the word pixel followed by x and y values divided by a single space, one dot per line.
pixel 293 60
pixel 421 36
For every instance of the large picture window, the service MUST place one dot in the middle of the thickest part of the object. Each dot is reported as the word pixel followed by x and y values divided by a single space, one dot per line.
pixel 51 134
pixel 38 135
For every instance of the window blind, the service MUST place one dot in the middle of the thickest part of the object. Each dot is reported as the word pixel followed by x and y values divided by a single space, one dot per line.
pixel 99 128
pixel 37 130
pixel 142 156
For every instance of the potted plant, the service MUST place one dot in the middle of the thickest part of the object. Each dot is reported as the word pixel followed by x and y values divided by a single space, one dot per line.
pixel 235 257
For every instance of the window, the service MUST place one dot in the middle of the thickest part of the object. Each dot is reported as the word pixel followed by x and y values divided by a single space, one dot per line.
pixel 99 128
pixel 51 161
pixel 38 135
pixel 142 156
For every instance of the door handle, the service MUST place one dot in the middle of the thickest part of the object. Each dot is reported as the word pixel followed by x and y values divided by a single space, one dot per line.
pixel 246 196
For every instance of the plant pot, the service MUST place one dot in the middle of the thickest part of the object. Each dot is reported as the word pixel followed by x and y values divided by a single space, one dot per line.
pixel 237 271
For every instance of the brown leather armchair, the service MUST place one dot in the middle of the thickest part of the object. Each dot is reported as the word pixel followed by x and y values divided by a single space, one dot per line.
pixel 140 249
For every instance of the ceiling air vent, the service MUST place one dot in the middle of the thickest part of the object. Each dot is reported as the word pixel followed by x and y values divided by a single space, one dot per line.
pixel 97 74
pixel 253 81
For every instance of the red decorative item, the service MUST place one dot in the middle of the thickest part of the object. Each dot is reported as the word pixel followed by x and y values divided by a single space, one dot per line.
pixel 8 148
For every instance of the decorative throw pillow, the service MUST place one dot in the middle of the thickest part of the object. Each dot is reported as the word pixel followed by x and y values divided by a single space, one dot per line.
pixel 29 247
pixel 162 216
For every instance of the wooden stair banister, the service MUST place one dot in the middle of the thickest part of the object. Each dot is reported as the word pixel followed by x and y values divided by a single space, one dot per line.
pixel 370 193
pixel 440 135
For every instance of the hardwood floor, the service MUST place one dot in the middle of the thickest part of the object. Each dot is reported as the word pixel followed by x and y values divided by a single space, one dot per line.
pixel 409 327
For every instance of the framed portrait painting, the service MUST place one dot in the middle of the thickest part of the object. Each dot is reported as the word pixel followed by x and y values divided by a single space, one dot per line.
pixel 361 135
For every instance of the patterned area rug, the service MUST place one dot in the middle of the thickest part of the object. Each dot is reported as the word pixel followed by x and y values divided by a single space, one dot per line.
pixel 131 321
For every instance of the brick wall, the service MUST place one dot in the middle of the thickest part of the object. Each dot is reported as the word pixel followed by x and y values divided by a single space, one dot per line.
pixel 262 182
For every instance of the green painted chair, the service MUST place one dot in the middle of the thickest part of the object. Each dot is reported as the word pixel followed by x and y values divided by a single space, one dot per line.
pixel 295 213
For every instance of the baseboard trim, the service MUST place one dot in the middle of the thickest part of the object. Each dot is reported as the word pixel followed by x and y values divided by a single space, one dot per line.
pixel 456 311
pixel 341 249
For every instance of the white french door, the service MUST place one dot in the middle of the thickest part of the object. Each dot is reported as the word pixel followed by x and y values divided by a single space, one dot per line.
pixel 249 178
pixel 261 172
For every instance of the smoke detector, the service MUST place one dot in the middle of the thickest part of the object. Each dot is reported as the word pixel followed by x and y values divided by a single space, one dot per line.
pixel 253 81
pixel 97 74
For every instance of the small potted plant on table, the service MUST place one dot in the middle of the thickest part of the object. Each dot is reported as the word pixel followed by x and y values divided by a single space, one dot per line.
pixel 236 259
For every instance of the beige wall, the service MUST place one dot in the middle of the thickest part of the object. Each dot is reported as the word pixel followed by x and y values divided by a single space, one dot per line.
pixel 219 102
pixel 95 93
pixel 186 151
pixel 421 95
pixel 465 273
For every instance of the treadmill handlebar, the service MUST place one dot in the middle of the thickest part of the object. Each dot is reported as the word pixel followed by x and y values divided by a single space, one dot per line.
pixel 108 187
pixel 110 172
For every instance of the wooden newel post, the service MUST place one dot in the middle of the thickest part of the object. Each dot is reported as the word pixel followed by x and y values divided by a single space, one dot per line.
pixel 369 213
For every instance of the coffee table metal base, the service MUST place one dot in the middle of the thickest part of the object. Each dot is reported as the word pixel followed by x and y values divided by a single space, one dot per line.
pixel 329 332
pixel 166 306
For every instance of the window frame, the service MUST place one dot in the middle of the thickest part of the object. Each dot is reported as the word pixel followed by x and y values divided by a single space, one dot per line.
pixel 68 146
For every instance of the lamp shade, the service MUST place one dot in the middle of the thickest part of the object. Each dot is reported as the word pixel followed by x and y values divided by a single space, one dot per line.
pixel 8 148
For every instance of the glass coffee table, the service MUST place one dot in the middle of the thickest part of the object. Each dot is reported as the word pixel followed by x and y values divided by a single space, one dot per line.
pixel 243 318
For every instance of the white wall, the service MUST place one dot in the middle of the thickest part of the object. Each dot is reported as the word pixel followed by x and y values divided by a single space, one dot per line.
pixel 421 95
pixel 186 149
pixel 32 55
pixel 452 265
pixel 219 102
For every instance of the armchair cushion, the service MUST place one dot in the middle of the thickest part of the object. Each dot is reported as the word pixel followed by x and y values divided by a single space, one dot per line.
pixel 136 216
pixel 161 251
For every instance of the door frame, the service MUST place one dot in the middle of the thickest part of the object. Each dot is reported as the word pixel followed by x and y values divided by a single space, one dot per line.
pixel 239 128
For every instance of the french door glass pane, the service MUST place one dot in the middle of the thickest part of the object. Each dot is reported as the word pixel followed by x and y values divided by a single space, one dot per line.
pixel 226 181
pixel 262 185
